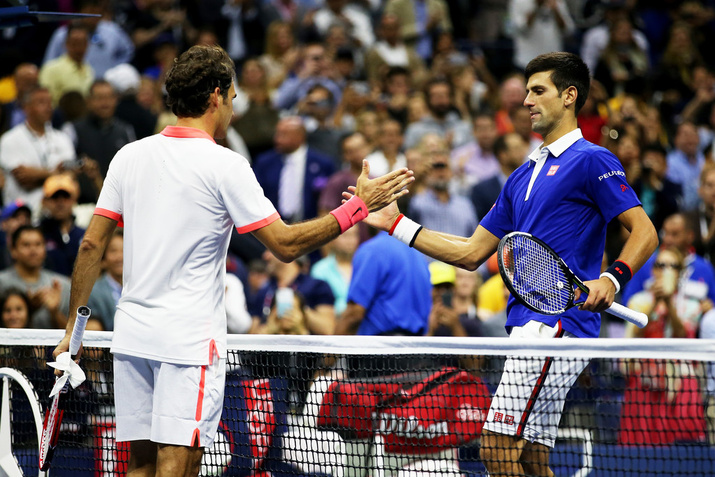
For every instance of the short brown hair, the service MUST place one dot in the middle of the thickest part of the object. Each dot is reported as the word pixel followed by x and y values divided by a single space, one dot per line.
pixel 194 76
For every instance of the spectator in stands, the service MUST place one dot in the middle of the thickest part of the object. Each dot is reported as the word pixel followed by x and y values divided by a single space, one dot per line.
pixel 454 311
pixel 108 288
pixel 389 52
pixel 696 293
pixel 396 94
pixel 510 150
pixel 540 26
pixel 659 195
pixel 512 92
pixel 420 21
pixel 442 119
pixel 367 122
pixel 109 45
pixel 662 403
pixel 355 100
pixel 418 161
pixel 705 213
pixel 280 55
pixel 317 110
pixel 336 268
pixel 596 38
pixel 388 156
pixel 353 18
pixel 33 150
pixel 156 18
pixel 126 81
pixel 313 68
pixel 673 76
pixel 475 161
pixel 24 79
pixel 623 64
pixel 15 309
pixel 62 235
pixel 628 151
pixel 100 134
pixel 242 28
pixel 592 118
pixel 292 174
pixel 14 215
pixel 437 207
pixel 685 162
pixel 49 292
pixel 319 298
pixel 69 72
pixel 258 122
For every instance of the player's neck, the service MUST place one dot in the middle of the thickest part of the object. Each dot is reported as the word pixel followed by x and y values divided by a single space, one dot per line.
pixel 563 127
pixel 204 123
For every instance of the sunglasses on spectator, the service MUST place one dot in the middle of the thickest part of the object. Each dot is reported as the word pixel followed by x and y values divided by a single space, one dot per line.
pixel 439 165
pixel 662 265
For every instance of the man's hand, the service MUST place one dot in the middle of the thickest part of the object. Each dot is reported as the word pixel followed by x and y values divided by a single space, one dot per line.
pixel 601 295
pixel 382 191
pixel 380 219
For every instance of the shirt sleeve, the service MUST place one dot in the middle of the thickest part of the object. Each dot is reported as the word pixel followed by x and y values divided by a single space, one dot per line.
pixel 244 199
pixel 606 185
pixel 320 294
pixel 365 280
pixel 499 220
pixel 109 203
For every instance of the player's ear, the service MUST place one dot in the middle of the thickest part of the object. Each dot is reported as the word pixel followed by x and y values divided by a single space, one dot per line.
pixel 570 94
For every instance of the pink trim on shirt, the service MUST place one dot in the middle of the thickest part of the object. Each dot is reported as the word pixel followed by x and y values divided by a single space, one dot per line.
pixel 110 215
pixel 185 132
pixel 257 225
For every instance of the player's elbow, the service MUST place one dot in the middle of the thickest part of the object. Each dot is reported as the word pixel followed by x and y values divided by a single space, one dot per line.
pixel 89 244
pixel 652 239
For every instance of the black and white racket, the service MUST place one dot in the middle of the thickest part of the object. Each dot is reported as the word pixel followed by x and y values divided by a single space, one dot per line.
pixel 542 281
pixel 53 416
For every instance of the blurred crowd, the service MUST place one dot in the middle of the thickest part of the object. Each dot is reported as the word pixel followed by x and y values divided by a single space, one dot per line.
pixel 433 85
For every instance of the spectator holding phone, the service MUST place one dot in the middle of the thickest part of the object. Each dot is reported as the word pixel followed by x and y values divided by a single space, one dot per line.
pixel 288 314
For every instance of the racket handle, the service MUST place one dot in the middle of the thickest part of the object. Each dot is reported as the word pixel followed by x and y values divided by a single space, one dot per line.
pixel 83 313
pixel 636 317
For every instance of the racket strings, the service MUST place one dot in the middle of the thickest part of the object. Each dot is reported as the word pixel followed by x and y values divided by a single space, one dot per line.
pixel 536 275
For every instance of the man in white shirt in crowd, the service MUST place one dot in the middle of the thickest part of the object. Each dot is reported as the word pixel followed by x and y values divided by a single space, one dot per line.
pixel 33 150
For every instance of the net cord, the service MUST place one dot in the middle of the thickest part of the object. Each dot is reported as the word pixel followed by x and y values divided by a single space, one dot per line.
pixel 666 348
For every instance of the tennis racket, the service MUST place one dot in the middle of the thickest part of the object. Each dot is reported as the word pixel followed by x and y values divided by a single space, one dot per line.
pixel 53 416
pixel 542 281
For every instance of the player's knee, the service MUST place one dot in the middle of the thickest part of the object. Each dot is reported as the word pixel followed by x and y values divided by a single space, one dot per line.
pixel 489 450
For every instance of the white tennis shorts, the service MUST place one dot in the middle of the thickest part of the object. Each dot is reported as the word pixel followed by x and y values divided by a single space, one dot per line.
pixel 168 403
pixel 532 391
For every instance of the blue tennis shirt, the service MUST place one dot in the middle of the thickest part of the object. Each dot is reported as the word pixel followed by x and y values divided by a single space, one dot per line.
pixel 566 198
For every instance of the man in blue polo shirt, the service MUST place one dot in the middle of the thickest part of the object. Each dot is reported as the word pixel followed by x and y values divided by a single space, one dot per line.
pixel 565 194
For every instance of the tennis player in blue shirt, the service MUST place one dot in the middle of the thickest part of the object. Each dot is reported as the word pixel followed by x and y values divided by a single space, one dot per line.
pixel 566 194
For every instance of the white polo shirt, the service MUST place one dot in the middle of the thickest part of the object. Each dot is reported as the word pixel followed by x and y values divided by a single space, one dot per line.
pixel 178 195
pixel 20 146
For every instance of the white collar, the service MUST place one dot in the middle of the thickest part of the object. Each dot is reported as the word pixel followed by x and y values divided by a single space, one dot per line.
pixel 558 147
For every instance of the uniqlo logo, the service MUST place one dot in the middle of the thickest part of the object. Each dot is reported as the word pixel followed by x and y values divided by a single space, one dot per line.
pixel 498 417
pixel 552 170
pixel 509 420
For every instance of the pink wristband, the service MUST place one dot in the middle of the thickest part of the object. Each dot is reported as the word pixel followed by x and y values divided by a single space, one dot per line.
pixel 350 213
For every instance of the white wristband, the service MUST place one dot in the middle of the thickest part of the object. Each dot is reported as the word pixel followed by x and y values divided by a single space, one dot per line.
pixel 406 230
pixel 613 279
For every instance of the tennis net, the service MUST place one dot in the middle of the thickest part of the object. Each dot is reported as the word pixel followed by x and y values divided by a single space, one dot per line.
pixel 381 406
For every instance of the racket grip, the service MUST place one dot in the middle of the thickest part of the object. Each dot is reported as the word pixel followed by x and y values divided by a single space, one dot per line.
pixel 83 313
pixel 636 317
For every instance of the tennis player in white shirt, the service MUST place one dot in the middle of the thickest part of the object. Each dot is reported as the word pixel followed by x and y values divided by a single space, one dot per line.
pixel 177 195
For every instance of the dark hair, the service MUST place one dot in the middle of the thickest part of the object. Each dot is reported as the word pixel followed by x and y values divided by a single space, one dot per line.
pixel 101 82
pixel 194 76
pixel 22 229
pixel 567 70
pixel 13 291
pixel 79 27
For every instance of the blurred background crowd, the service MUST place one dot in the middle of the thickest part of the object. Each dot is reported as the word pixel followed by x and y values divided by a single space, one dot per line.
pixel 434 85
